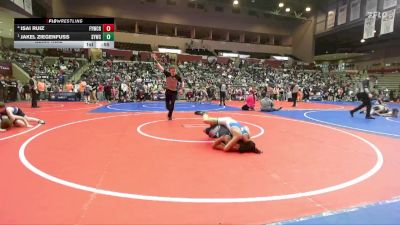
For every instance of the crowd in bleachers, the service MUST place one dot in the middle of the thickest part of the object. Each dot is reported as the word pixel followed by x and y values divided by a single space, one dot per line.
pixel 120 80
pixel 52 75
pixel 203 81
pixel 115 80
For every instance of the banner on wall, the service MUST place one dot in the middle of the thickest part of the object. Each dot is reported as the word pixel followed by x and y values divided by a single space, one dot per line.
pixel 371 6
pixel 387 24
pixel 321 17
pixel 342 14
pixel 42 77
pixel 320 27
pixel 369 27
pixel 389 4
pixel 330 22
pixel 62 96
pixel 355 9
pixel 6 68
pixel 28 6
pixel 19 3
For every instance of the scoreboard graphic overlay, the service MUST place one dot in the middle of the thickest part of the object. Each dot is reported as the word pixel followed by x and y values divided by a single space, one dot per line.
pixel 64 32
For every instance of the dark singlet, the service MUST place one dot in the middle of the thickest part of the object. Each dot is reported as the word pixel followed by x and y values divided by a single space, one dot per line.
pixel 217 131
pixel 17 111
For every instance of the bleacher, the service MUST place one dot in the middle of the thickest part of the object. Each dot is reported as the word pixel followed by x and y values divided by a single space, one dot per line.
pixel 200 51
pixel 390 81
pixel 133 46
pixel 167 46
pixel 47 68
pixel 256 55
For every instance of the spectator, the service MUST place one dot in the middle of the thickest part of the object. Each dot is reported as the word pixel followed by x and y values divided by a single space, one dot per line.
pixel 295 91
pixel 34 90
pixel 100 92
pixel 250 101
pixel 267 105
pixel 69 87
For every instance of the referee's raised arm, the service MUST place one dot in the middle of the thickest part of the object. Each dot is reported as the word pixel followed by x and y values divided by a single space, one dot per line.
pixel 171 91
pixel 159 66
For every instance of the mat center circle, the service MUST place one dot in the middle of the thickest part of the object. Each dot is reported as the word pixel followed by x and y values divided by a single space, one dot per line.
pixel 185 131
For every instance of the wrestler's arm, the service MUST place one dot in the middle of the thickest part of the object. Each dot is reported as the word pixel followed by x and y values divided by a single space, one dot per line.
pixel 15 117
pixel 229 146
pixel 219 143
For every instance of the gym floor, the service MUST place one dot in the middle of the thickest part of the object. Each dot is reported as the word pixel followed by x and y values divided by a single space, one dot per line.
pixel 125 163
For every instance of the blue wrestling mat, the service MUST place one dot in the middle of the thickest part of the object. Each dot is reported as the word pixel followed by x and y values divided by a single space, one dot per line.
pixel 356 103
pixel 160 106
pixel 341 118
pixel 380 213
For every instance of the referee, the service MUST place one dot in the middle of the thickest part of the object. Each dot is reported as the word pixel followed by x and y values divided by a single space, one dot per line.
pixel 295 91
pixel 34 90
pixel 365 97
pixel 171 92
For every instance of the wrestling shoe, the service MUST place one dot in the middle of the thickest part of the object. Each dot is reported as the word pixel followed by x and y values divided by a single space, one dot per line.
pixel 200 113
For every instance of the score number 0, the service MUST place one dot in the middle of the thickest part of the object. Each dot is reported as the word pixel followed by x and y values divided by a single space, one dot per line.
pixel 108 27
pixel 108 32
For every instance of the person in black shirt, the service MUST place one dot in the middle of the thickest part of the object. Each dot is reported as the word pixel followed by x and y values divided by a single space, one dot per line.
pixel 13 90
pixel 295 89
pixel 306 94
pixel 107 91
pixel 27 92
pixel 222 92
pixel 171 91
pixel 93 93
pixel 365 97
pixel 34 91
pixel 3 89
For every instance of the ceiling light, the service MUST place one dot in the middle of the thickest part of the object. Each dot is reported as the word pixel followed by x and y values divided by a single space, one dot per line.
pixel 287 9
pixel 308 9
pixel 169 50
pixel 362 41
pixel 235 2
pixel 281 4
pixel 281 58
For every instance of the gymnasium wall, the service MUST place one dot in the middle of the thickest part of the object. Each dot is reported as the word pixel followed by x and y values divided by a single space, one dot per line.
pixel 154 41
pixel 20 74
pixel 295 33
pixel 179 14
pixel 303 41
